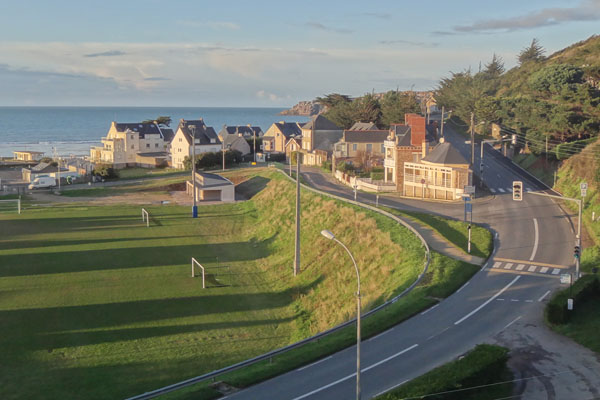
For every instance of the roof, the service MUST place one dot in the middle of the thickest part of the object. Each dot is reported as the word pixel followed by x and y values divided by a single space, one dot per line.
pixel 404 132
pixel 243 129
pixel 363 126
pixel 231 139
pixel 168 134
pixel 326 140
pixel 28 152
pixel 211 180
pixel 204 133
pixel 149 128
pixel 320 123
pixel 445 153
pixel 289 128
pixel 154 154
pixel 366 136
pixel 44 167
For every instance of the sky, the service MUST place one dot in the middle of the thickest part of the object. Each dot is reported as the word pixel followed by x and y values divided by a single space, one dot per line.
pixel 262 53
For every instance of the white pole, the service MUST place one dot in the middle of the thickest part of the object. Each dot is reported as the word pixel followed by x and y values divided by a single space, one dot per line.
pixel 19 204
pixel 469 243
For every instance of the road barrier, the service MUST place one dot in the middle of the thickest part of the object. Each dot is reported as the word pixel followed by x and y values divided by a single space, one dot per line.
pixel 271 354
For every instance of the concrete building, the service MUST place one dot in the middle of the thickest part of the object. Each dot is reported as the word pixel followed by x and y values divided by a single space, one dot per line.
pixel 25 155
pixel 181 146
pixel 357 143
pixel 319 136
pixel 276 137
pixel 211 187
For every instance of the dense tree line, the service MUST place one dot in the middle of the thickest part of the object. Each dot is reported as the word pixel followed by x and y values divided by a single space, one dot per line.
pixel 539 99
pixel 344 111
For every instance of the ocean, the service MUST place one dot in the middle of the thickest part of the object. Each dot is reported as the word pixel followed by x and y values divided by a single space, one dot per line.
pixel 73 130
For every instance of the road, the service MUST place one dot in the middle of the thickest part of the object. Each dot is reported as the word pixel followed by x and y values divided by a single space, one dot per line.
pixel 533 246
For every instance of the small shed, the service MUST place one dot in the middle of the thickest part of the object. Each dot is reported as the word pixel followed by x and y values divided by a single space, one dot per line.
pixel 24 155
pixel 212 187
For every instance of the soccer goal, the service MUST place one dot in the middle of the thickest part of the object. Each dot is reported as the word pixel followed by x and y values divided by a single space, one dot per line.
pixel 146 217
pixel 6 205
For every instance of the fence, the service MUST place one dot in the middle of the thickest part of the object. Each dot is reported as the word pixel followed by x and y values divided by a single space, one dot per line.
pixel 193 272
pixel 366 184
pixel 271 354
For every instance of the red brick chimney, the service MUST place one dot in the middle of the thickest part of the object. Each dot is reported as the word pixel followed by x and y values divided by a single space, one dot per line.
pixel 417 128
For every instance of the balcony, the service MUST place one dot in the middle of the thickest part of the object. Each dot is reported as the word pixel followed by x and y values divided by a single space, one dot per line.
pixel 389 163
pixel 389 143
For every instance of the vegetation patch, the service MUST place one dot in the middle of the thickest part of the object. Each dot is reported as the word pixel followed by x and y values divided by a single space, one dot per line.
pixel 480 374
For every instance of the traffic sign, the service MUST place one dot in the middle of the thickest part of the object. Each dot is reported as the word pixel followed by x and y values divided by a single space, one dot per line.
pixel 583 192
pixel 469 208
pixel 565 278
pixel 583 186
pixel 470 189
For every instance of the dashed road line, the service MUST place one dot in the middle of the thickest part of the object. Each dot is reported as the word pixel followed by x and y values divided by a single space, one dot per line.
pixel 488 300
pixel 512 322
pixel 438 334
pixel 381 334
pixel 500 299
pixel 544 296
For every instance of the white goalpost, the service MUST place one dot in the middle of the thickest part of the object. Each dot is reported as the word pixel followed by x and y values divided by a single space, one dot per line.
pixel 145 217
pixel 201 268
pixel 18 201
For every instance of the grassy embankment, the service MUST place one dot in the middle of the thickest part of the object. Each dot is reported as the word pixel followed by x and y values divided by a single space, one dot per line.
pixel 95 303
pixel 137 172
pixel 155 186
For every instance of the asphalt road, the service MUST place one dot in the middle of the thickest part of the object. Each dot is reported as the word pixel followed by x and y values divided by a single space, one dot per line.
pixel 533 246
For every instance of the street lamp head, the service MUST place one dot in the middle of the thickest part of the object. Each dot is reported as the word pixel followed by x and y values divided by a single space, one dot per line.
pixel 328 234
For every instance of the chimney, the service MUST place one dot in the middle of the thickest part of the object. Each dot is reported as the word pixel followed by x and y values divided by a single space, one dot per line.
pixel 424 149
pixel 417 129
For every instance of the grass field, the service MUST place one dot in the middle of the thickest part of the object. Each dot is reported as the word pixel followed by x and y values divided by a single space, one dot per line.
pixel 584 324
pixel 95 305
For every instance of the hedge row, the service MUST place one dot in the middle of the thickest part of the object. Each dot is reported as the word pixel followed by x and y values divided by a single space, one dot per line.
pixel 483 365
pixel 586 287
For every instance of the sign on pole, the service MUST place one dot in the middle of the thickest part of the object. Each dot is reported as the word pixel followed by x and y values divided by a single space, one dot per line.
pixel 470 189
pixel 565 278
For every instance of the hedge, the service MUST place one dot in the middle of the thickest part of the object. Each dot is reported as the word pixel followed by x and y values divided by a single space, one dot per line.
pixel 556 311
pixel 483 365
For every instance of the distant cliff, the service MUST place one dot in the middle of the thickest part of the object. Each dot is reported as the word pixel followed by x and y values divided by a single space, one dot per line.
pixel 304 108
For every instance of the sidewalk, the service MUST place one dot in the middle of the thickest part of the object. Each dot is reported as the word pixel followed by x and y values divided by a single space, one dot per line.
pixel 435 241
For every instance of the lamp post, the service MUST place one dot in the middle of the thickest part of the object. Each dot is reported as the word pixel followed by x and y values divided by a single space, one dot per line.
pixel 194 207
pixel 331 236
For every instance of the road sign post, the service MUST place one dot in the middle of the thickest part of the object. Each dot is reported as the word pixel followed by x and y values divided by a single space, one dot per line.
pixel 469 242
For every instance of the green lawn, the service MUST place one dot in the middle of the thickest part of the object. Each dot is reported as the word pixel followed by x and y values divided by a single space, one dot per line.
pixel 154 185
pixel 584 324
pixel 137 172
pixel 95 305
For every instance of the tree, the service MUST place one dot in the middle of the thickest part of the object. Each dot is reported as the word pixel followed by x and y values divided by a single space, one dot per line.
pixel 333 99
pixel 494 68
pixel 161 120
pixel 105 171
pixel 533 53
pixel 554 78
pixel 367 109
pixel 342 114
pixel 395 104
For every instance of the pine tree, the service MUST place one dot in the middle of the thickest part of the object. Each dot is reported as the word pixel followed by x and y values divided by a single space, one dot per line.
pixel 535 52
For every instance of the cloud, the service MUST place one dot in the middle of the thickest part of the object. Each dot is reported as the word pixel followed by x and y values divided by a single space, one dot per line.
pixel 218 25
pixel 111 53
pixel 262 94
pixel 321 27
pixel 157 78
pixel 409 42
pixel 588 10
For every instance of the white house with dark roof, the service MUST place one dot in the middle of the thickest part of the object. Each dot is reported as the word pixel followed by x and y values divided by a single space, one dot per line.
pixel 278 134
pixel 124 141
pixel 318 138
pixel 206 140
pixel 355 143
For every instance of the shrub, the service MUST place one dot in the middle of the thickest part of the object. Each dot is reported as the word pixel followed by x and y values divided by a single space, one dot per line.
pixel 556 311
pixel 105 171
pixel 377 176
pixel 326 165
pixel 276 157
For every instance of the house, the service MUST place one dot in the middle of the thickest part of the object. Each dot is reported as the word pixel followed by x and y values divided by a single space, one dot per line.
pixel 24 155
pixel 363 126
pixel 293 145
pixel 440 174
pixel 206 140
pixel 248 131
pixel 357 143
pixel 318 138
pixel 431 104
pixel 43 169
pixel 278 134
pixel 125 140
pixel 236 142
pixel 211 187
pixel 406 143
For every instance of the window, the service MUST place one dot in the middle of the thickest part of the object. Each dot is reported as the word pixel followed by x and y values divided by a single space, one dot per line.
pixel 382 148
pixel 179 140
pixel 147 145
pixel 132 146
pixel 132 136
pixel 354 146
pixel 156 145
pixel 370 147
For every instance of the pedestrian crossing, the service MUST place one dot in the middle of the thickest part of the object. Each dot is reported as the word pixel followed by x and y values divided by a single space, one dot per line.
pixel 507 190
pixel 540 269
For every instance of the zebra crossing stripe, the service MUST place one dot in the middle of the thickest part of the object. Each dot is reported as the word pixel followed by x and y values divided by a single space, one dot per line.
pixel 508 265
pixel 501 190
pixel 509 190
pixel 493 190
pixel 544 270
pixel 520 267
pixel 556 271
pixel 497 264
pixel 532 268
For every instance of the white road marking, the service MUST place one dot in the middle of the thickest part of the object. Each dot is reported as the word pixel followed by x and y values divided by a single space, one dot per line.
pixel 461 288
pixel 393 387
pixel 512 322
pixel 535 240
pixel 497 264
pixel 488 300
pixel 544 296
pixel 484 266
pixel 532 268
pixel 496 235
pixel 514 299
pixel 315 363
pixel 492 190
pixel 438 334
pixel 381 334
pixel 509 190
pixel 500 299
pixel 429 309
pixel 528 301
pixel 501 190
pixel 543 270
pixel 354 374
pixel 508 265
pixel 556 271
pixel 520 267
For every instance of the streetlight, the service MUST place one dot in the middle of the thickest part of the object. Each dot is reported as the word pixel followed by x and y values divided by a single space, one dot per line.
pixel 331 236
pixel 194 207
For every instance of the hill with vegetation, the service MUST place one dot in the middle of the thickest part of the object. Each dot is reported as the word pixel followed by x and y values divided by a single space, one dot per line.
pixel 554 98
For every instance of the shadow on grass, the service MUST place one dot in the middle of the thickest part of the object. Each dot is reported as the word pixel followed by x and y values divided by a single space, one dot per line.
pixel 26 244
pixel 248 189
pixel 127 258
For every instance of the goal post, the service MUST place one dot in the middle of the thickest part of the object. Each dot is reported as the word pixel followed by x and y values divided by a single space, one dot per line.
pixel 145 217
pixel 18 201
pixel 194 262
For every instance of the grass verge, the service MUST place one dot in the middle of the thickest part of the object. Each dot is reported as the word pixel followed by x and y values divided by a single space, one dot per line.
pixel 485 365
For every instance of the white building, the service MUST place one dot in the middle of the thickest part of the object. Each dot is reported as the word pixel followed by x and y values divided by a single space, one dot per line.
pixel 181 146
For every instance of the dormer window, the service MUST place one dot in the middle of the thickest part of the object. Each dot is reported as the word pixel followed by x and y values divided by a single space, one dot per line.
pixel 212 140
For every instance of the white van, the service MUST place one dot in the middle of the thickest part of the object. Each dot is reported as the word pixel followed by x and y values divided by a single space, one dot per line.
pixel 42 182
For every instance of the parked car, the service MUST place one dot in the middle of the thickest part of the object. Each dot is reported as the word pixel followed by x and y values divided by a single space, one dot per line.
pixel 42 182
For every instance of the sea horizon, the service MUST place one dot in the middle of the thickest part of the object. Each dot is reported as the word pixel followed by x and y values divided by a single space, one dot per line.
pixel 72 130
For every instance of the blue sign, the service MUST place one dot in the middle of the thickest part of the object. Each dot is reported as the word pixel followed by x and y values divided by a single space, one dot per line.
pixel 468 207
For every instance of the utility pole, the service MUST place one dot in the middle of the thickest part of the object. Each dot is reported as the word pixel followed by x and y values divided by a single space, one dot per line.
pixel 254 135
pixel 223 151
pixel 442 123
pixel 472 139
pixel 194 207
pixel 297 253
pixel 546 148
